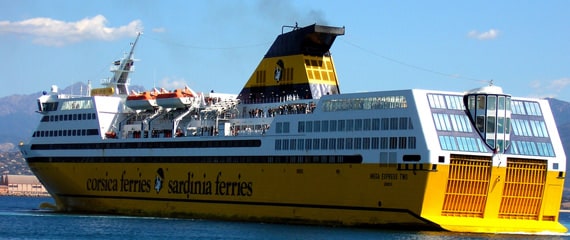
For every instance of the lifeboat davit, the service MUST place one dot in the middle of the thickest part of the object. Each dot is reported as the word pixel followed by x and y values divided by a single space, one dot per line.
pixel 142 101
pixel 178 98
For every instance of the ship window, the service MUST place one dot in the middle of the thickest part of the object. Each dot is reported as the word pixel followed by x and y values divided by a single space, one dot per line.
pixel 385 124
pixel 358 125
pixel 461 144
pixel 454 102
pixel 278 144
pixel 491 102
pixel 340 143
pixel 384 143
pixel 332 125
pixel 325 126
pixel 349 125
pixel 300 144
pixel 516 127
pixel 490 124
pixel 376 124
pixel 500 125
pixel 309 126
pixel 412 142
pixel 285 144
pixel 393 123
pixel 79 116
pixel 286 127
pixel 480 123
pixel 357 143
pixel 481 102
pixel 454 123
pixel 293 144
pixel 502 103
pixel 466 126
pixel 402 144
pixel 366 124
pixel 278 127
pixel 50 106
pixel 332 143
pixel 375 143
pixel 393 142
pixel 403 123
pixel 365 143
pixel 471 103
pixel 542 126
pixel 436 101
pixel 301 127
pixel 341 125
pixel 532 108
pixel 77 104
pixel 317 126
pixel 324 143
pixel 518 108
pixel 443 143
pixel 348 143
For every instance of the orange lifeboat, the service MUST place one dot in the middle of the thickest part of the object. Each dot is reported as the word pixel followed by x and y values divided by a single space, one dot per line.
pixel 178 98
pixel 142 101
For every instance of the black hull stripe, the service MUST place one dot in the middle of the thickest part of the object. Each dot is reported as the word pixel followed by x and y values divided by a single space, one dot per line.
pixel 330 159
pixel 161 144
pixel 278 204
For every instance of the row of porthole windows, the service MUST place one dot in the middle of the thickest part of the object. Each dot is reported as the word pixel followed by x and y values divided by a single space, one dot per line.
pixel 346 143
pixel 367 124
pixel 69 117
pixel 66 133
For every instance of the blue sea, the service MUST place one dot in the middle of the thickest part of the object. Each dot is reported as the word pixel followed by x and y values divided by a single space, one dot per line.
pixel 21 218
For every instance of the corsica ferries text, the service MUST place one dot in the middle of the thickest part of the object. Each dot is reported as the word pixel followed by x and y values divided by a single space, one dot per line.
pixel 191 184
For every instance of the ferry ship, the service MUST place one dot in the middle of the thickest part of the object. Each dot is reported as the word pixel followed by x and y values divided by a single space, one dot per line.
pixel 290 148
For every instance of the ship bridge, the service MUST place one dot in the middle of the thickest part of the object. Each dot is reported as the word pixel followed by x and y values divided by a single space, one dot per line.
pixel 489 110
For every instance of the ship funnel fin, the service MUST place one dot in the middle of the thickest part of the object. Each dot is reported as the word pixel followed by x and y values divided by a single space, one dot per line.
pixel 297 66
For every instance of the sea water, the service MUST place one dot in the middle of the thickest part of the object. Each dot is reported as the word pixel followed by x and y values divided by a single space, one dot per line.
pixel 21 218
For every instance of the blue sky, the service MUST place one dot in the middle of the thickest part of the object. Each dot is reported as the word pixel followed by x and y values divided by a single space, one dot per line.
pixel 523 46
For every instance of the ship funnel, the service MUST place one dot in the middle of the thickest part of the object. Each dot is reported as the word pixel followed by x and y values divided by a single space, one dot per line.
pixel 298 65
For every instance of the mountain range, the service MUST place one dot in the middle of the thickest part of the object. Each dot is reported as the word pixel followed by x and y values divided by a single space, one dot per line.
pixel 18 117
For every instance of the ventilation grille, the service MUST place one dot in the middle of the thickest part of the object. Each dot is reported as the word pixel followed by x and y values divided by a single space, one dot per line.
pixel 524 188
pixel 467 186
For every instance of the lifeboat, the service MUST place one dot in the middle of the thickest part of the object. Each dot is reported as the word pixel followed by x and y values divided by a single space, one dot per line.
pixel 178 98
pixel 142 101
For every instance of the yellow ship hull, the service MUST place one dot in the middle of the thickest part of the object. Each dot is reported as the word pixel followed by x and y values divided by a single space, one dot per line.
pixel 421 196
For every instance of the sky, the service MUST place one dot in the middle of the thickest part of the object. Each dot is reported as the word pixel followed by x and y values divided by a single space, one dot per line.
pixel 521 46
